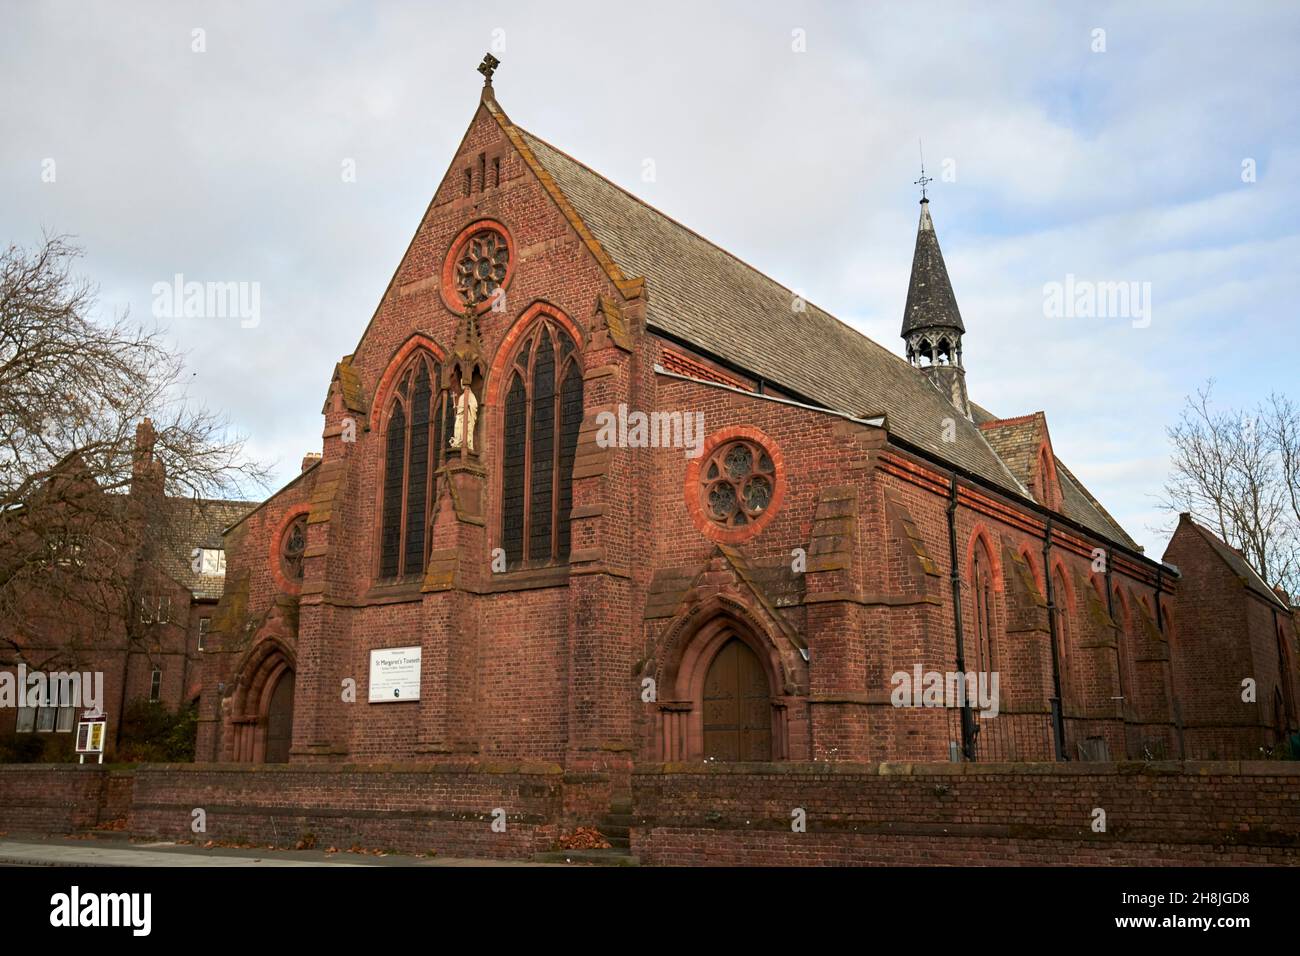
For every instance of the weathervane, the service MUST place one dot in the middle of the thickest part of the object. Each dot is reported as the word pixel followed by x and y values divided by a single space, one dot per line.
pixel 488 67
pixel 924 180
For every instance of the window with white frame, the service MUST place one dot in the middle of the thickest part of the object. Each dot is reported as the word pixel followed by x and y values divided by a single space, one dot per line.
pixel 26 720
pixel 212 561
pixel 205 625
pixel 155 685
pixel 45 719
pixel 67 719
pixel 155 609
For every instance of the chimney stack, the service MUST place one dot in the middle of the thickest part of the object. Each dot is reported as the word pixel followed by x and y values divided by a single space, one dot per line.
pixel 147 472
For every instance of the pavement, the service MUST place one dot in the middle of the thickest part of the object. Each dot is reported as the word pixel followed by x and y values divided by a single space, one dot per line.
pixel 33 851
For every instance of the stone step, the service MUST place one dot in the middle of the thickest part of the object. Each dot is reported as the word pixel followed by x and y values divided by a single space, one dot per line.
pixel 609 830
pixel 589 857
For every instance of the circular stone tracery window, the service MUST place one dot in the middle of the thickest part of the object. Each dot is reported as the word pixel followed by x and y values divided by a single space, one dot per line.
pixel 737 483
pixel 292 545
pixel 481 266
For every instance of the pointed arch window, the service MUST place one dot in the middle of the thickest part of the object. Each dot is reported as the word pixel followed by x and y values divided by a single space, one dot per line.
pixel 1046 491
pixel 982 585
pixel 1064 636
pixel 543 412
pixel 414 447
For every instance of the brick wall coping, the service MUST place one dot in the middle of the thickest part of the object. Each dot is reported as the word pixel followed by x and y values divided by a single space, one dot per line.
pixel 1242 768
pixel 1202 768
pixel 117 768
pixel 494 767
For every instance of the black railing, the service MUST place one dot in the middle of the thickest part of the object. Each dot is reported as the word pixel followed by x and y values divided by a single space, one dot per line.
pixel 1006 738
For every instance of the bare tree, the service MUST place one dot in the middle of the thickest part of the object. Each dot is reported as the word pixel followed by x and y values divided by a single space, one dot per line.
pixel 83 505
pixel 1238 473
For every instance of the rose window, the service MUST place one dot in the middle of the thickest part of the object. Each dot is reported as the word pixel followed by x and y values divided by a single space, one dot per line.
pixel 482 266
pixel 738 481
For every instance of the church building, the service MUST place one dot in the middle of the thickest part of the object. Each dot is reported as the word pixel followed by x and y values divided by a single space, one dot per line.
pixel 594 492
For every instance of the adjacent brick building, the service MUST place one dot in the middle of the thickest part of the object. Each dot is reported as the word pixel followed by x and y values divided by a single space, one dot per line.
pixel 1234 647
pixel 143 625
pixel 588 588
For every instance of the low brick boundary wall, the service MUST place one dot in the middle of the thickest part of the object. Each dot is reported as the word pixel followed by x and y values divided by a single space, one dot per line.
pixel 694 814
pixel 1166 813
pixel 410 808
pixel 61 798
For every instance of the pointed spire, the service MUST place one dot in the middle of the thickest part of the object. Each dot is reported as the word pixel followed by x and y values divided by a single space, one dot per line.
pixel 932 326
pixel 930 300
pixel 467 352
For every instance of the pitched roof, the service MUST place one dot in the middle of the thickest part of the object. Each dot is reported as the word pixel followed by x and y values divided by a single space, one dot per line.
pixel 704 295
pixel 1236 563
pixel 930 301
pixel 1016 441
pixel 198 523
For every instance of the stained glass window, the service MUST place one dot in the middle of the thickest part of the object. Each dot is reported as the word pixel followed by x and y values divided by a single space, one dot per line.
pixel 738 481
pixel 414 442
pixel 543 412
pixel 481 266
pixel 292 546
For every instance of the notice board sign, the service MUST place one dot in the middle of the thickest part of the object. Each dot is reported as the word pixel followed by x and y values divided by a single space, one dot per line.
pixel 90 738
pixel 394 674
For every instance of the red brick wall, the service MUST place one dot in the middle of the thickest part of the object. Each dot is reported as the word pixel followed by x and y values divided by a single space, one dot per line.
pixel 59 799
pixel 1223 633
pixel 446 808
pixel 1041 814
pixel 953 814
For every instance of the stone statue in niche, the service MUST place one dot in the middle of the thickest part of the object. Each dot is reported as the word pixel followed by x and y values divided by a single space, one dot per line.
pixel 466 417
pixel 463 377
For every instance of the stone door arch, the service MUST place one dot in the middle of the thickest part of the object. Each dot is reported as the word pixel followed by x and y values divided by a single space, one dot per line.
pixel 725 696
pixel 260 718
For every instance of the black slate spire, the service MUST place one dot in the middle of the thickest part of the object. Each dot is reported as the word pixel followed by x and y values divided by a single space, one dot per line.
pixel 930 302
pixel 932 325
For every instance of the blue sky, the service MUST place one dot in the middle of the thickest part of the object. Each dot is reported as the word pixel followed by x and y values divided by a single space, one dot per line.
pixel 1115 165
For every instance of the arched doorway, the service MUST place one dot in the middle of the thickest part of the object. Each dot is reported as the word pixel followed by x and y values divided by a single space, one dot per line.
pixel 279 720
pixel 258 719
pixel 737 706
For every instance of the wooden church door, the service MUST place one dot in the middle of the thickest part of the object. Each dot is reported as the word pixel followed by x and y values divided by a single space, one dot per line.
pixel 737 706
pixel 279 720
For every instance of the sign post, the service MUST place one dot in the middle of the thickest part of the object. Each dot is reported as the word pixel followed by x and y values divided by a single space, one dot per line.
pixel 90 737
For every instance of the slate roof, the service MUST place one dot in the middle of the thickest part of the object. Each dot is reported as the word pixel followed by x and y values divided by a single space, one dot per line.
pixel 704 295
pixel 199 524
pixel 930 301
pixel 1017 440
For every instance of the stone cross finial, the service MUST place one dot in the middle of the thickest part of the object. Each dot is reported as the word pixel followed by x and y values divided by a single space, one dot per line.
pixel 488 67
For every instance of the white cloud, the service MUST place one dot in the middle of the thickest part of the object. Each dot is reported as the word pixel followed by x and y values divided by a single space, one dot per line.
pixel 1124 164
